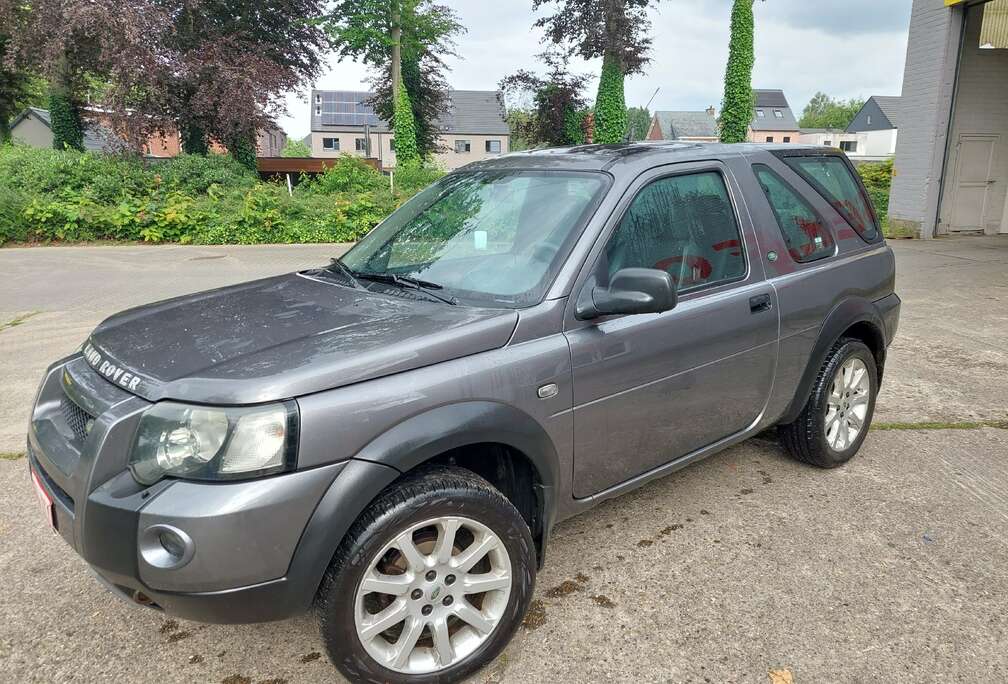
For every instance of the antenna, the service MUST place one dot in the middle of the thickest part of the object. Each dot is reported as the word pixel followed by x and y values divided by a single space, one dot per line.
pixel 633 127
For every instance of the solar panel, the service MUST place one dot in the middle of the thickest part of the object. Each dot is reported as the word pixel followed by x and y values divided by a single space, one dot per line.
pixel 346 108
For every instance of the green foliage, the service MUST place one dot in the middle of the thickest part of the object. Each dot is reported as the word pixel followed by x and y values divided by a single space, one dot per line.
pixel 243 150
pixel 638 123
pixel 50 195
pixel 67 126
pixel 194 140
pixel 610 105
pixel 877 177
pixel 295 148
pixel 574 126
pixel 737 108
pixel 405 130
pixel 822 111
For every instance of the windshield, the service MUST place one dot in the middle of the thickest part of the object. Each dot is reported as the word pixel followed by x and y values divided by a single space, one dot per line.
pixel 488 238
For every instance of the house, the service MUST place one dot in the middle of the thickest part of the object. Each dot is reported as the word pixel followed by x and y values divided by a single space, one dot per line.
pixel 773 121
pixel 951 168
pixel 876 126
pixel 33 127
pixel 472 128
pixel 689 126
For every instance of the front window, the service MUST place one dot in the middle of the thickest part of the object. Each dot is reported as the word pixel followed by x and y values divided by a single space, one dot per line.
pixel 487 238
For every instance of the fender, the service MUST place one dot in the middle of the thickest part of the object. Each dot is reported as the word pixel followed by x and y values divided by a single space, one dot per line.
pixel 845 314
pixel 402 448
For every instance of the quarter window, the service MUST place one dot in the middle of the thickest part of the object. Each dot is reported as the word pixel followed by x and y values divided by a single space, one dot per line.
pixel 831 178
pixel 805 233
pixel 684 225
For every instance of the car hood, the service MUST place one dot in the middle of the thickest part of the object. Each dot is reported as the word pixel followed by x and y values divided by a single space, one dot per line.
pixel 283 337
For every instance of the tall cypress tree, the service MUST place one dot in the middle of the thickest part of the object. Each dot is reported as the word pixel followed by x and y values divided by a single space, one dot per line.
pixel 737 108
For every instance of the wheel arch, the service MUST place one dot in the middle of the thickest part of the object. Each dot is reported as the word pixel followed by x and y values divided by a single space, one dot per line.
pixel 501 443
pixel 855 317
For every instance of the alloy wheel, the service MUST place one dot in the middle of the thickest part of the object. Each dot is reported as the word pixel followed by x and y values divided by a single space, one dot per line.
pixel 847 405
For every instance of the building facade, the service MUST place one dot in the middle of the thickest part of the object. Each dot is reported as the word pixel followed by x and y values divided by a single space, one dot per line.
pixel 951 169
pixel 773 121
pixel 473 128
pixel 684 125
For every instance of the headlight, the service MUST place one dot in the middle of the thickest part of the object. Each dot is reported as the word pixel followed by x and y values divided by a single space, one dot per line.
pixel 208 443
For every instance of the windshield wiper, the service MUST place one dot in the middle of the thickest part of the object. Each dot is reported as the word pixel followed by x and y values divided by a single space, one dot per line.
pixel 424 286
pixel 345 270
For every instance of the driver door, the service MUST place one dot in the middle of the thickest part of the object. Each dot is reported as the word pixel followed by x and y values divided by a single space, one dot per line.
pixel 652 388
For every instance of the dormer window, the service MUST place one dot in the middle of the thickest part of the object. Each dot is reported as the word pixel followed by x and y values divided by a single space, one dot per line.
pixel 778 114
pixel 760 114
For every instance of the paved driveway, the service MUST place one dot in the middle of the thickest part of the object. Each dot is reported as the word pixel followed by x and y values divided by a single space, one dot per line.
pixel 890 569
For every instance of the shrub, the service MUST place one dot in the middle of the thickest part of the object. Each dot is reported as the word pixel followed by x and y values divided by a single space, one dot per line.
pixel 194 174
pixel 349 174
pixel 13 226
pixel 103 177
pixel 877 178
pixel 411 179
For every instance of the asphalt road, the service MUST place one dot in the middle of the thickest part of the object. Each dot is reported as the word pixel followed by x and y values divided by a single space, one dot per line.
pixel 892 568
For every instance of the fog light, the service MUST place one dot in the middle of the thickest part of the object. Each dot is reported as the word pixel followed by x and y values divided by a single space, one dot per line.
pixel 166 547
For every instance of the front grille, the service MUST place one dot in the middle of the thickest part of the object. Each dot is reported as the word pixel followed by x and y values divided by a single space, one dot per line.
pixel 79 420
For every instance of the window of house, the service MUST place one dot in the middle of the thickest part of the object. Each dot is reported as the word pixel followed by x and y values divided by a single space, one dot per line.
pixel 832 178
pixel 318 111
pixel 493 146
pixel 391 144
pixel 778 114
pixel 769 138
pixel 828 143
pixel 804 231
pixel 760 113
pixel 848 145
pixel 684 225
pixel 869 119
pixel 463 147
pixel 318 99
pixel 787 138
pixel 360 144
pixel 330 144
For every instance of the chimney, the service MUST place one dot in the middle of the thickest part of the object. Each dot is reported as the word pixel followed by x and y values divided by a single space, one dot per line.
pixel 711 111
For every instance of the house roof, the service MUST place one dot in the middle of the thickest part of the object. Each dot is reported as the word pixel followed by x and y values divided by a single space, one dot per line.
pixel 771 101
pixel 682 124
pixel 890 106
pixel 469 111
pixel 96 138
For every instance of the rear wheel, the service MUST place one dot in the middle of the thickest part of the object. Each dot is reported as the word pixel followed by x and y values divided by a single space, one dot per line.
pixel 835 420
pixel 430 583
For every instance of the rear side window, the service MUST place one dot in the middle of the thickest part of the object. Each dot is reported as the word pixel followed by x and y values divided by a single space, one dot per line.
pixel 684 225
pixel 833 180
pixel 805 233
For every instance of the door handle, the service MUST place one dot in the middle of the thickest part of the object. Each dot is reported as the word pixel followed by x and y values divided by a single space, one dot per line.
pixel 760 303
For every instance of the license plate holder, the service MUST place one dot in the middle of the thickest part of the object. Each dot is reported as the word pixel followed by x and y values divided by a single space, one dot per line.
pixel 45 501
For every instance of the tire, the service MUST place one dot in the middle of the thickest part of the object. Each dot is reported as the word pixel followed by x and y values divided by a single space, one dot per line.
pixel 442 496
pixel 807 438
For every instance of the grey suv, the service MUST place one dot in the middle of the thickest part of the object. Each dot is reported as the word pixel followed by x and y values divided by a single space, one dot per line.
pixel 389 439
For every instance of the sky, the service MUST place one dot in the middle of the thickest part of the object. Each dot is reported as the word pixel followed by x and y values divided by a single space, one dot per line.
pixel 845 48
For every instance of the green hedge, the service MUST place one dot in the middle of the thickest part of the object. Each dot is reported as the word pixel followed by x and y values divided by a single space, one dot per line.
pixel 49 195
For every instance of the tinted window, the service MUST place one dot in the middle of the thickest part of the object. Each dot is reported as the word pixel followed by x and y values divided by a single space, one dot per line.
pixel 833 180
pixel 805 233
pixel 684 225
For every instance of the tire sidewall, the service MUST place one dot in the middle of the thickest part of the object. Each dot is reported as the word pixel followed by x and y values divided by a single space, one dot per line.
pixel 339 629
pixel 847 350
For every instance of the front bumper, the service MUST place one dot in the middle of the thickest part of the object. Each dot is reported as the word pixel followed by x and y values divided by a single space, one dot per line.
pixel 245 534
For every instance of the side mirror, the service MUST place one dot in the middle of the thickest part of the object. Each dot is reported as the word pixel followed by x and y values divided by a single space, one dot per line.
pixel 631 291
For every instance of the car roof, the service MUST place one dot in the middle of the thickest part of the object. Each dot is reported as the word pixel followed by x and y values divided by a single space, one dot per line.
pixel 612 157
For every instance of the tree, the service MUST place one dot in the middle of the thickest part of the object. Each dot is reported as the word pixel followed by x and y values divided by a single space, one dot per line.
pixel 638 123
pixel 737 108
pixel 556 113
pixel 402 41
pixel 295 148
pixel 615 30
pixel 405 130
pixel 822 111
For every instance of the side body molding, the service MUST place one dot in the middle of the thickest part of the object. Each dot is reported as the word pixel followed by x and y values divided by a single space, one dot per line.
pixel 848 312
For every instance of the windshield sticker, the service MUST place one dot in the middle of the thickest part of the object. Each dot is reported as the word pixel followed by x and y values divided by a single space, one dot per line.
pixel 114 373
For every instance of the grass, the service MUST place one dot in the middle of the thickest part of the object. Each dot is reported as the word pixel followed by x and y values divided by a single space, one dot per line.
pixel 10 456
pixel 955 425
pixel 19 320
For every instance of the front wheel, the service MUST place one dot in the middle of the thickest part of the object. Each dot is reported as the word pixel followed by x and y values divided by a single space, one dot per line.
pixel 835 420
pixel 430 583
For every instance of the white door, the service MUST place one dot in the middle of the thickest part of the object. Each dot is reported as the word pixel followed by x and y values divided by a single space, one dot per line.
pixel 973 182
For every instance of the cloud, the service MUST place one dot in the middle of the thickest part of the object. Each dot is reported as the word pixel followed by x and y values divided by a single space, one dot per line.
pixel 846 48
